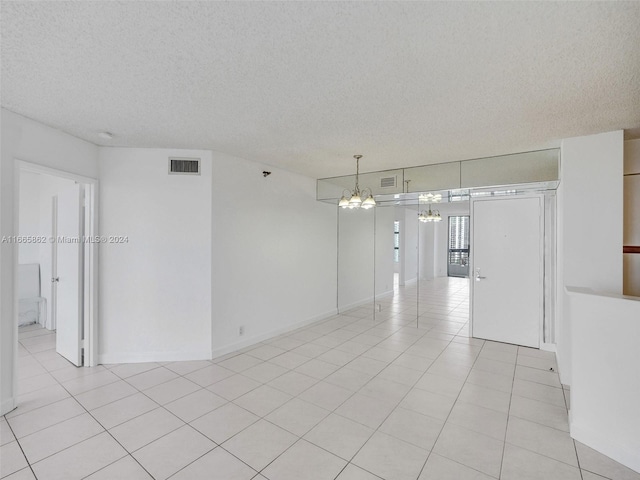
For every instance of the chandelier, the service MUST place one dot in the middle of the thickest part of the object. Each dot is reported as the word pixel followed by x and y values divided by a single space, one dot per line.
pixel 429 215
pixel 353 199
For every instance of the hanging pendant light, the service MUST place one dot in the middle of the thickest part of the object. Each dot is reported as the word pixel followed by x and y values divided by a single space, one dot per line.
pixel 353 199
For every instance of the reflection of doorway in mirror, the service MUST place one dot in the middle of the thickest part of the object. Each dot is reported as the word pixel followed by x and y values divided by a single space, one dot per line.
pixel 458 246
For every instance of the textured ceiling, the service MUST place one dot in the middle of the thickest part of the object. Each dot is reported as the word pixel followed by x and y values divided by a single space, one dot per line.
pixel 305 85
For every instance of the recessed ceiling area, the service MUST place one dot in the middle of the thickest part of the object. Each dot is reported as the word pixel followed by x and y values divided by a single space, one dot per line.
pixel 306 85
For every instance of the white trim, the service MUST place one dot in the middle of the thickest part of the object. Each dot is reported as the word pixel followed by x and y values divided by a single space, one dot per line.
pixel 143 357
pixel 607 446
pixel 91 324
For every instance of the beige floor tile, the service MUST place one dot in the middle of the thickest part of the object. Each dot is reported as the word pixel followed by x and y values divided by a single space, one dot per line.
pixel 541 439
pixel 384 389
pixel 123 410
pixel 265 372
pixel 194 405
pixel 413 427
pixel 263 400
pixel 485 397
pixel 172 390
pixel 317 369
pixel 441 468
pixel 53 439
pixel 146 428
pixel 225 466
pixel 151 378
pixel 339 435
pixel 24 474
pixel 224 422
pixel 234 386
pixel 297 416
pixel 124 469
pixel 352 472
pixel 600 464
pixel 101 396
pixel 349 378
pixel 81 460
pixel 428 403
pixel 539 392
pixel 479 419
pixel 266 352
pixel 470 448
pixel 521 464
pixel 366 410
pixel 539 412
pixel 209 375
pixel 6 435
pixel 389 457
pixel 293 383
pixel 12 459
pixel 43 417
pixel 239 363
pixel 440 384
pixel 259 444
pixel 539 376
pixel 304 460
pixel 326 395
pixel 172 452
pixel 183 368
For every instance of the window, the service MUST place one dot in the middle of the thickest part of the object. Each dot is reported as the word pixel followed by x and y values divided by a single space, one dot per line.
pixel 396 241
pixel 458 245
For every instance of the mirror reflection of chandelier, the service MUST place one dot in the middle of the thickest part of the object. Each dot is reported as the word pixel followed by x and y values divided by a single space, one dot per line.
pixel 429 215
pixel 353 199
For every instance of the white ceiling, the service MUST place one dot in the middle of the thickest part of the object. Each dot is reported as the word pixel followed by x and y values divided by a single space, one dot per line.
pixel 304 86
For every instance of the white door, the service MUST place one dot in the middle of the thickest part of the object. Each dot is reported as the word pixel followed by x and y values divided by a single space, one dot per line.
pixel 507 285
pixel 68 276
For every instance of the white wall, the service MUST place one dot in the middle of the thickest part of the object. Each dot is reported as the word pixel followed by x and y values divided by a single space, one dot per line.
pixel 155 290
pixel 605 382
pixel 274 252
pixel 589 225
pixel 631 267
pixel 30 141
pixel 29 217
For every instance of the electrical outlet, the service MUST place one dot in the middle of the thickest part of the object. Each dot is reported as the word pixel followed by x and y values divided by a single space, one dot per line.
pixel 241 331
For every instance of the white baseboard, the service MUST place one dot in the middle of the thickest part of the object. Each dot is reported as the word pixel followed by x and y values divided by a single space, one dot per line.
pixel 220 351
pixel 143 357
pixel 7 405
pixel 548 347
pixel 611 447
pixel 359 303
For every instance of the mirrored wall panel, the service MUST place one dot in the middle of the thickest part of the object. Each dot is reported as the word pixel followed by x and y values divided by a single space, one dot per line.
pixel 356 266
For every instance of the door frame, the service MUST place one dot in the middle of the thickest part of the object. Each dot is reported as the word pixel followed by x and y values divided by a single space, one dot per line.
pixel 472 262
pixel 91 186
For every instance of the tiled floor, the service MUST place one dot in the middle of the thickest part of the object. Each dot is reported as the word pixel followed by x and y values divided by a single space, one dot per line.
pixel 348 398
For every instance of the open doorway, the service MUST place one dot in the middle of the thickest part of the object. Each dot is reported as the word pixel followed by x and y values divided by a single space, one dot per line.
pixel 55 274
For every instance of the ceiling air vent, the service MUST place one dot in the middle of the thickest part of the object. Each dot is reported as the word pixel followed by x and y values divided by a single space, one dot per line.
pixel 184 166
pixel 387 182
